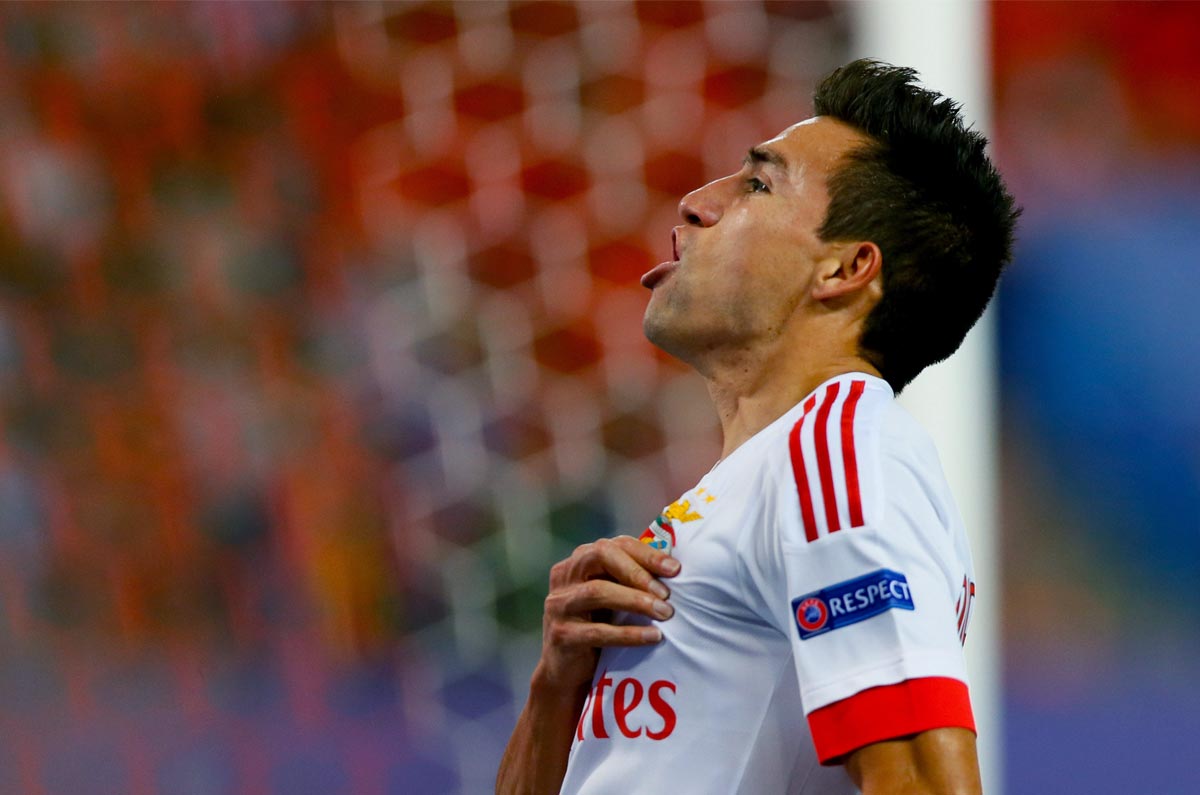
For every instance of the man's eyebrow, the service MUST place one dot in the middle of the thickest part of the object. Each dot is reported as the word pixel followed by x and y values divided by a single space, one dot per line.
pixel 760 154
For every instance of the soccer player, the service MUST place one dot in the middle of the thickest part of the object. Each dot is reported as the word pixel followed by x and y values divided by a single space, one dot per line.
pixel 820 583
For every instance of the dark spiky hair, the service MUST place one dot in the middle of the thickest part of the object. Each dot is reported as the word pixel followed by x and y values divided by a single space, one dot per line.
pixel 926 193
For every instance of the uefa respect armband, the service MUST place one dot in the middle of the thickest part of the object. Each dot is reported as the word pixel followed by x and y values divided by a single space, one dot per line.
pixel 851 601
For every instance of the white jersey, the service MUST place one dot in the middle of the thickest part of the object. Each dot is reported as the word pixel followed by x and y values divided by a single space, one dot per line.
pixel 822 605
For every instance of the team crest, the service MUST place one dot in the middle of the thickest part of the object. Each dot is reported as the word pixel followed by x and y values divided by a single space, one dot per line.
pixel 661 533
pixel 660 536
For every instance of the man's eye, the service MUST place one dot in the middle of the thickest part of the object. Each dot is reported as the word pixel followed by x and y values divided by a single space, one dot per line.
pixel 756 185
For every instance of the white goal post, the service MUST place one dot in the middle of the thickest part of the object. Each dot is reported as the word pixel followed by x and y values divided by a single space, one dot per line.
pixel 948 41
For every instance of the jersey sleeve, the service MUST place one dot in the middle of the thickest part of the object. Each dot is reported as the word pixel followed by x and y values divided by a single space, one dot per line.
pixel 868 576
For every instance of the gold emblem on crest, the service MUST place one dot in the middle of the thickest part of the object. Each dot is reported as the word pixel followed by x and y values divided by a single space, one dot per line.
pixel 681 509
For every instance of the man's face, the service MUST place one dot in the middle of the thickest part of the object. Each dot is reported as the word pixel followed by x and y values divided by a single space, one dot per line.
pixel 745 257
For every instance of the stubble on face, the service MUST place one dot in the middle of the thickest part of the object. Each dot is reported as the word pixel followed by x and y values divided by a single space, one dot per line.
pixel 741 277
pixel 686 327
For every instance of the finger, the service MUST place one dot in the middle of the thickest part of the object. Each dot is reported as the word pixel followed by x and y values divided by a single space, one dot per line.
pixel 592 635
pixel 623 559
pixel 610 558
pixel 650 561
pixel 649 557
pixel 593 595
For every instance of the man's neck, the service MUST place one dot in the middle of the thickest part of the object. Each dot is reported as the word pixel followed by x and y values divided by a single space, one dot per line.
pixel 751 393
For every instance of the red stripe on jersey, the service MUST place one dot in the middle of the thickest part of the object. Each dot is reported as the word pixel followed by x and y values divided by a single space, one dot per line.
pixel 801 476
pixel 963 601
pixel 820 438
pixel 969 598
pixel 887 712
pixel 848 455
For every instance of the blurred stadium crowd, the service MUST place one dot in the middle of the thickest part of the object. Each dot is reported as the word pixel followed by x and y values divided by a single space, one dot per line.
pixel 320 340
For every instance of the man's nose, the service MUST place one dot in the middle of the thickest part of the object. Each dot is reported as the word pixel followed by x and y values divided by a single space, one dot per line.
pixel 703 206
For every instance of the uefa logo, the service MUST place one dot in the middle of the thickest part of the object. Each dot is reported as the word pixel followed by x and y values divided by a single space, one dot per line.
pixel 811 614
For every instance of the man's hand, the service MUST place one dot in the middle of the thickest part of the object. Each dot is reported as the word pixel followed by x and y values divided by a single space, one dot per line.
pixel 599 578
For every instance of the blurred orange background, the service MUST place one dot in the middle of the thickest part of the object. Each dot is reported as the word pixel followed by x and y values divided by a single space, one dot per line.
pixel 320 341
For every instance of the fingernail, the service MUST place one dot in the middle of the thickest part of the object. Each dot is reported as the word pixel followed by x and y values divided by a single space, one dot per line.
pixel 662 609
pixel 652 634
pixel 659 590
pixel 670 565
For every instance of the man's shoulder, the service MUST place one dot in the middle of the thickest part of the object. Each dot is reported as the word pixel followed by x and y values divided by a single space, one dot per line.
pixel 850 408
pixel 849 452
pixel 850 426
pixel 904 441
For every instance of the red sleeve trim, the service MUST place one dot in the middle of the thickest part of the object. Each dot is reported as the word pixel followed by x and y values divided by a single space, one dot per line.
pixel 888 712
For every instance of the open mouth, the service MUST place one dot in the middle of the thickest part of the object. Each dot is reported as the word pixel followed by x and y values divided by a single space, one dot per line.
pixel 664 269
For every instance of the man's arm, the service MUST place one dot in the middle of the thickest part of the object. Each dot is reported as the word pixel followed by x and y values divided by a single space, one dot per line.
pixel 935 762
pixel 610 574
pixel 536 757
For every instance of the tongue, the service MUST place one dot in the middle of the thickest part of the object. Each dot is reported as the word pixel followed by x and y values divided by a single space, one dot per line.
pixel 657 274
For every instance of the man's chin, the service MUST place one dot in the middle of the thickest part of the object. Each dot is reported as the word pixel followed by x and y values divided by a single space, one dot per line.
pixel 669 337
pixel 655 328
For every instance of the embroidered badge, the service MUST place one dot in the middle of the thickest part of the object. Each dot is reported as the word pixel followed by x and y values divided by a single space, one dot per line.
pixel 851 601
pixel 661 532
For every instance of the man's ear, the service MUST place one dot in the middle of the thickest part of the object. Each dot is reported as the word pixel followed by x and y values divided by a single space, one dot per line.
pixel 849 268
